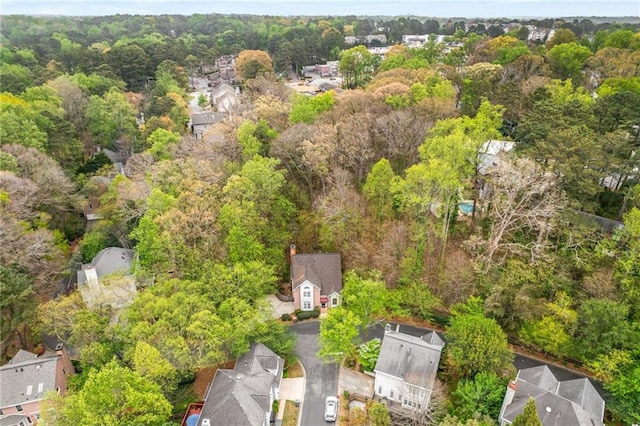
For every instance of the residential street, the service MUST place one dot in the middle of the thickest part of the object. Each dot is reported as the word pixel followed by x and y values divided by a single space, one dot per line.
pixel 321 378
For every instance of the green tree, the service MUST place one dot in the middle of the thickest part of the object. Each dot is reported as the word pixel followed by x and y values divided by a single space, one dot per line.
pixel 529 416
pixel 364 296
pixel 305 109
pixel 149 363
pixel 378 414
pixel 377 189
pixel 160 143
pixel 15 78
pixel 567 60
pixel 603 326
pixel 113 395
pixel 356 66
pixel 339 334
pixel 625 392
pixel 111 117
pixel 476 344
pixel 368 354
pixel 481 395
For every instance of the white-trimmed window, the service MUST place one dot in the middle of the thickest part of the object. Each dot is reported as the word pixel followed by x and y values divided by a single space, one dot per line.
pixel 334 301
pixel 306 306
pixel 306 293
pixel 379 390
pixel 391 394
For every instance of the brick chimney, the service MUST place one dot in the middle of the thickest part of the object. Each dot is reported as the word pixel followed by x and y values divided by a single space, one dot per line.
pixel 292 252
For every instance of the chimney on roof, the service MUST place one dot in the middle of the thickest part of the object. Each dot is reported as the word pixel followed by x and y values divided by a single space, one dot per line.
pixel 511 391
pixel 292 252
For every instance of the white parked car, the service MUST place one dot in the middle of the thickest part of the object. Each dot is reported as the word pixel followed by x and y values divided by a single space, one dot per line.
pixel 331 409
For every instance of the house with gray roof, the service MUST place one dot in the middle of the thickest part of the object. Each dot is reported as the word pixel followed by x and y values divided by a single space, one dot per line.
pixel 568 403
pixel 244 395
pixel 316 280
pixel 107 280
pixel 25 381
pixel 201 122
pixel 224 98
pixel 405 372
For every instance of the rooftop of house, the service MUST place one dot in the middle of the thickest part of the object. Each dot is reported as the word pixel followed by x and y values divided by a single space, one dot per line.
pixel 108 261
pixel 242 395
pixel 13 419
pixel 413 359
pixel 324 270
pixel 205 118
pixel 26 378
pixel 570 402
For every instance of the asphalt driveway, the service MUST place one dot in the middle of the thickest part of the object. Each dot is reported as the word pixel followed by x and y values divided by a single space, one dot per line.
pixel 321 378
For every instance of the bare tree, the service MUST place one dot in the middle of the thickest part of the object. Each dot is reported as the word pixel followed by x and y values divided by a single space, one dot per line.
pixel 522 196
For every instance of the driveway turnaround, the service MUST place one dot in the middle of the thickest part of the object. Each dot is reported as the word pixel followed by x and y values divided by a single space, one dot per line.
pixel 321 378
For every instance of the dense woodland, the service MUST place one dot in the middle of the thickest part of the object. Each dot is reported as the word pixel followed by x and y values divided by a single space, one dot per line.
pixel 374 172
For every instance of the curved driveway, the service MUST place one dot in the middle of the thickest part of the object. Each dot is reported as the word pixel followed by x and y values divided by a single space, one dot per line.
pixel 321 379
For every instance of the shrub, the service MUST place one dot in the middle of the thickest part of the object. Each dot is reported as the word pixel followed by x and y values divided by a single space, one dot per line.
pixel 303 315
pixel 315 314
pixel 297 311
pixel 285 317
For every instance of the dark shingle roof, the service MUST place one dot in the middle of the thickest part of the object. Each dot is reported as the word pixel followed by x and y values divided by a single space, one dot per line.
pixel 568 403
pixel 205 118
pixel 109 261
pixel 242 396
pixel 415 360
pixel 27 378
pixel 323 270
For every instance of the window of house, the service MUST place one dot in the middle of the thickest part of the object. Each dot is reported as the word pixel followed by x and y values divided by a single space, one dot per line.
pixel 18 407
pixel 29 389
pixel 419 406
pixel 334 301
pixel 306 293
pixel 379 390
pixel 391 394
pixel 306 306
pixel 404 402
pixel 29 420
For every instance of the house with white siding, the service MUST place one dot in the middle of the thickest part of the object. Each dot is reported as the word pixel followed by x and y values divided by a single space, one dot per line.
pixel 405 372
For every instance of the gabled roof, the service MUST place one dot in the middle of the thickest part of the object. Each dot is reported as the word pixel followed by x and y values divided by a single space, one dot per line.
pixel 13 420
pixel 242 396
pixel 27 378
pixel 324 270
pixel 413 359
pixel 564 403
pixel 109 261
pixel 206 118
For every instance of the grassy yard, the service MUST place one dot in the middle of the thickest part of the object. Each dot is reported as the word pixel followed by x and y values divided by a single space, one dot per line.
pixel 294 370
pixel 291 412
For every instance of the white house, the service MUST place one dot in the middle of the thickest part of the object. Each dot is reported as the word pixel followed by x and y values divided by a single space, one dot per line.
pixel 119 289
pixel 406 369
pixel 244 395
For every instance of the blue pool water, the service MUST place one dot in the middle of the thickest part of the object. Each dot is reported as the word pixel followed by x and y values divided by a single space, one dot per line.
pixel 466 207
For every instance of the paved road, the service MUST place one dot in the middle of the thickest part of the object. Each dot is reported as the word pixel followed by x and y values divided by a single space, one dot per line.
pixel 321 378
pixel 519 361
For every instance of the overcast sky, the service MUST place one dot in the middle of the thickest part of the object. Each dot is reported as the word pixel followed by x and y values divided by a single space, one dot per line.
pixel 432 8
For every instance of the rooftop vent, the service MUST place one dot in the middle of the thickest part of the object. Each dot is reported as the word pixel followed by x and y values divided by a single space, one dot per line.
pixel 206 422
pixel 59 346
